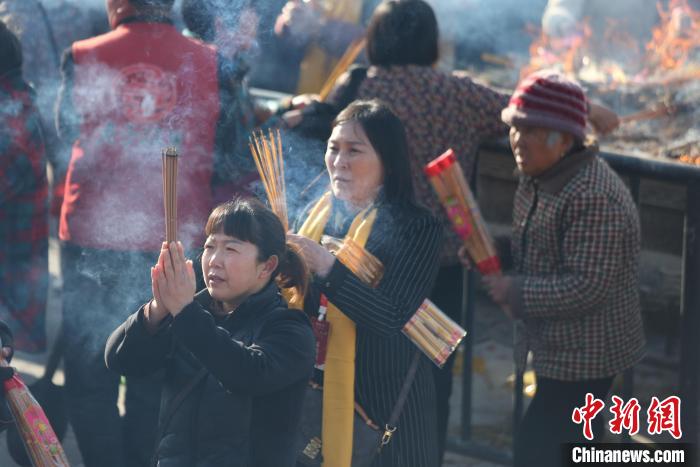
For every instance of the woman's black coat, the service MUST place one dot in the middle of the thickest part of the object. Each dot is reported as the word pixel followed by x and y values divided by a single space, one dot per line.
pixel 246 411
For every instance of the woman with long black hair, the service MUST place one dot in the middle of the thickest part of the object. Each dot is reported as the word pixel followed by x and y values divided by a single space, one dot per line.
pixel 371 200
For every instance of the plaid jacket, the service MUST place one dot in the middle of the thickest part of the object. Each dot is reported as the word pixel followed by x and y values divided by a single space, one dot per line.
pixel 23 216
pixel 575 246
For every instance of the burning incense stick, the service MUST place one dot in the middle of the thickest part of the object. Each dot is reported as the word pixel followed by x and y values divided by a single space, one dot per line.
pixel 267 154
pixel 434 332
pixel 342 66
pixel 170 193
pixel 359 261
pixel 452 188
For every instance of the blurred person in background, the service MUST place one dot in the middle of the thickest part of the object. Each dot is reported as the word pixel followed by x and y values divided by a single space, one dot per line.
pixel 574 286
pixel 309 38
pixel 24 273
pixel 45 28
pixel 231 26
pixel 125 96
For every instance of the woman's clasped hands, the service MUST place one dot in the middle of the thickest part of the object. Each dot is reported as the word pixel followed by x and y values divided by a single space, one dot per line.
pixel 173 282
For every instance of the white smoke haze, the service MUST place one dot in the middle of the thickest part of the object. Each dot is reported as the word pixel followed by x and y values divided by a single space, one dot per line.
pixel 478 23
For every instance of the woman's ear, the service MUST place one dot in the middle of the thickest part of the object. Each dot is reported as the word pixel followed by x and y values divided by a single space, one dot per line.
pixel 268 267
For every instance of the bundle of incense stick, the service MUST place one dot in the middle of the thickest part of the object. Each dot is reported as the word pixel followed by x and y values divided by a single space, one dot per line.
pixel 267 153
pixel 359 261
pixel 348 58
pixel 170 193
pixel 434 332
pixel 42 445
pixel 448 180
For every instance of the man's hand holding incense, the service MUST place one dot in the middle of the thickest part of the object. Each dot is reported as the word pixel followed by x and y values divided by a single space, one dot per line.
pixel 319 260
pixel 174 283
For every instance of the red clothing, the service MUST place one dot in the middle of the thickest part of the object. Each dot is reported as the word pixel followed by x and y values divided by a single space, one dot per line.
pixel 138 89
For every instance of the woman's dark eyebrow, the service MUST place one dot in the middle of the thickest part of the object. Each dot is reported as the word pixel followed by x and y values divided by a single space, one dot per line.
pixel 353 142
pixel 227 241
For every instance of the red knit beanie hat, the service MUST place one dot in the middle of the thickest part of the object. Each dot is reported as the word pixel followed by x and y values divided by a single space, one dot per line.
pixel 548 99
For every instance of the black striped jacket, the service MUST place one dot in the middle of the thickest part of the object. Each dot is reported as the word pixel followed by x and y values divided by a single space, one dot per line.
pixel 407 242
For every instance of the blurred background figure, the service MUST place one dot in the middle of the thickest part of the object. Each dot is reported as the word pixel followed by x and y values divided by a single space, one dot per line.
pixel 45 28
pixel 232 27
pixel 23 203
pixel 309 37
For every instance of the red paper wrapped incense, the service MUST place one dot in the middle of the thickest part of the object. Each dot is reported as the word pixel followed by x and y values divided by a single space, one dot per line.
pixel 448 180
pixel 42 445
pixel 434 332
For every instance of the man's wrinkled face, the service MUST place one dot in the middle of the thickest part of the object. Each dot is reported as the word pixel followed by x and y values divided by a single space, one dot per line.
pixel 536 149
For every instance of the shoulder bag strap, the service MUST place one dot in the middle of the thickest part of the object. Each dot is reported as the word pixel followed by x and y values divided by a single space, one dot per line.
pixel 390 426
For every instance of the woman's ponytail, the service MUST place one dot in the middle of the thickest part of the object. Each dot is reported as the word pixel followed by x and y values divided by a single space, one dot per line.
pixel 293 271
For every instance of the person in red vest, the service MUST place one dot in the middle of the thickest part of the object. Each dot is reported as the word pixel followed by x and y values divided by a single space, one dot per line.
pixel 125 96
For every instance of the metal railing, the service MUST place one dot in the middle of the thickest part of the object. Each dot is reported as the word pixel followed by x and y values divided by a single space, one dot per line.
pixel 635 168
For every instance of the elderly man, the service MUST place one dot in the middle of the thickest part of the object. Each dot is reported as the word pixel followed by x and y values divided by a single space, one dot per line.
pixel 575 247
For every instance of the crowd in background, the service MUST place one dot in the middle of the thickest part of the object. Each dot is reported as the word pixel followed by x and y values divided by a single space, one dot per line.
pixel 96 97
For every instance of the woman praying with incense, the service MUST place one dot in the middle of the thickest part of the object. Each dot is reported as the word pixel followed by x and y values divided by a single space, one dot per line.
pixel 371 201
pixel 237 360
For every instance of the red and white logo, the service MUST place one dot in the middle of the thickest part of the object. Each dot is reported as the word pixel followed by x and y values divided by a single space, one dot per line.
pixel 147 93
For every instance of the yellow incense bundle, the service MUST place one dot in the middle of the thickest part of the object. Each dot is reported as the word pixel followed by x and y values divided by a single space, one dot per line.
pixel 170 193
pixel 359 261
pixel 348 58
pixel 267 154
pixel 434 332
pixel 448 181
